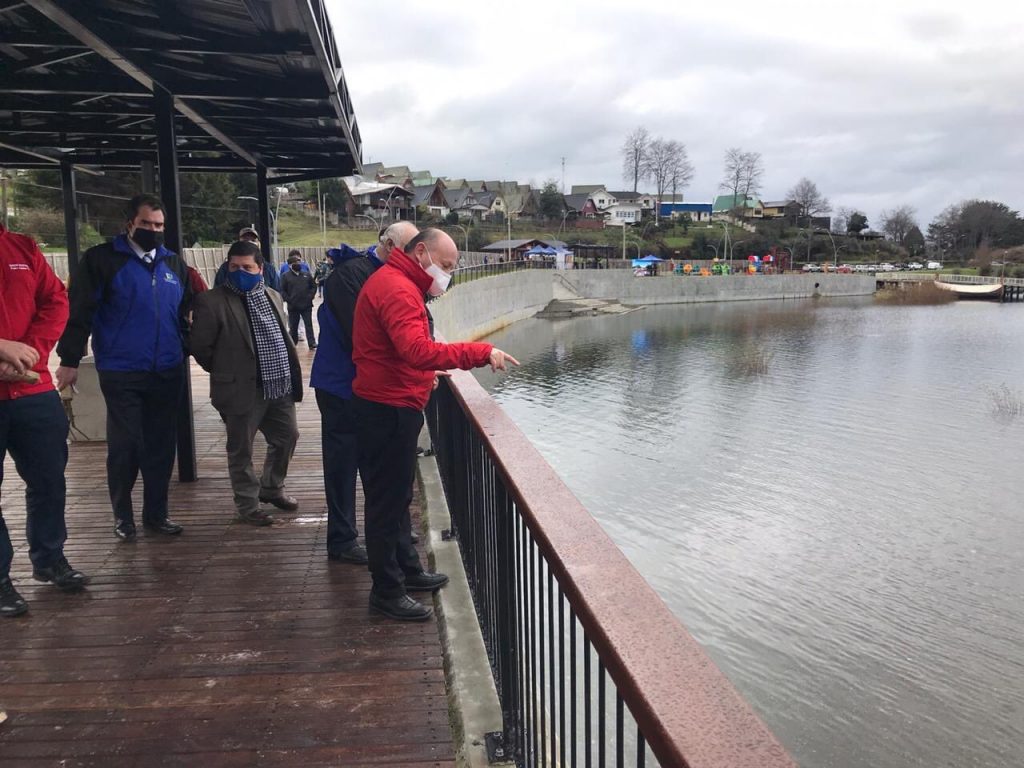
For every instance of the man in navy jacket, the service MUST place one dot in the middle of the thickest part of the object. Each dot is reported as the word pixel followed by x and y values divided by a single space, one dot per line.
pixel 332 377
pixel 132 296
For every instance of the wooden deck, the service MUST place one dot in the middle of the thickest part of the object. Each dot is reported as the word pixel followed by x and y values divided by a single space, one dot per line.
pixel 227 646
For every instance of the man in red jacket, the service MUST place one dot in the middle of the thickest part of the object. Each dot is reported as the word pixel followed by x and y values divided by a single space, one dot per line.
pixel 33 427
pixel 396 361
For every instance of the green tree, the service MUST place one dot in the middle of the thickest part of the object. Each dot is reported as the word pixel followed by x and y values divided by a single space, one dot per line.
pixel 210 208
pixel 552 204
pixel 914 242
pixel 857 223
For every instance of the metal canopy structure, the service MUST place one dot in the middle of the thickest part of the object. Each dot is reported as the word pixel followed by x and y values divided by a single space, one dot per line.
pixel 253 83
pixel 194 85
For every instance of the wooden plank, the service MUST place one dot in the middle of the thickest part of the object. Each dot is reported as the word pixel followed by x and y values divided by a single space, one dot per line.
pixel 227 646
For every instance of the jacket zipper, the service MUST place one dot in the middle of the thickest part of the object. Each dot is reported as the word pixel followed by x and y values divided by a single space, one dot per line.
pixel 156 315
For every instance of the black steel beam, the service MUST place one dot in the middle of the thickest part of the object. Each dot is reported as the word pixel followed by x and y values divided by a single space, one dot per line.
pixel 67 185
pixel 148 177
pixel 48 59
pixel 99 83
pixel 67 105
pixel 267 44
pixel 163 102
pixel 263 221
pixel 323 173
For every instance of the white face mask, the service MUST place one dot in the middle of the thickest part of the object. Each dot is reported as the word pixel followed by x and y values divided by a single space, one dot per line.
pixel 441 278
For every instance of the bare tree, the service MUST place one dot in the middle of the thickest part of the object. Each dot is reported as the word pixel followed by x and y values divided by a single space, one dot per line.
pixel 667 165
pixel 753 170
pixel 898 222
pixel 733 179
pixel 812 203
pixel 841 218
pixel 634 155
pixel 680 172
pixel 743 172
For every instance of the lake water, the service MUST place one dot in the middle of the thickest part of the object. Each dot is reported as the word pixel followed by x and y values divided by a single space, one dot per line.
pixel 825 493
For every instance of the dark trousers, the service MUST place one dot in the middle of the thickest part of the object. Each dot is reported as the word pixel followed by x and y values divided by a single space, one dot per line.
pixel 34 430
pixel 307 320
pixel 340 453
pixel 387 465
pixel 142 428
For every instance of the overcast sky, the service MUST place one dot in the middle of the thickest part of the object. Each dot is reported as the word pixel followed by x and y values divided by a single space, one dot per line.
pixel 879 103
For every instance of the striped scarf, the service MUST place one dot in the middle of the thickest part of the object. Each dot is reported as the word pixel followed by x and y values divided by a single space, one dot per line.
pixel 271 351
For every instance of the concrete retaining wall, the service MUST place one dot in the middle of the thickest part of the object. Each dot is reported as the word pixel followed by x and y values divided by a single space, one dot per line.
pixel 677 289
pixel 480 307
pixel 474 309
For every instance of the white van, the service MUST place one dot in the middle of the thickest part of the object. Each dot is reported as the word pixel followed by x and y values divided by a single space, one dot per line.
pixel 933 265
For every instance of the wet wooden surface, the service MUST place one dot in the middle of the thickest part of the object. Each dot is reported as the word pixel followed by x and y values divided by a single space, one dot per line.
pixel 229 645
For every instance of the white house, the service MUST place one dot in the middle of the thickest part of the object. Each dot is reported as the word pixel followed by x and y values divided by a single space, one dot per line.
pixel 623 213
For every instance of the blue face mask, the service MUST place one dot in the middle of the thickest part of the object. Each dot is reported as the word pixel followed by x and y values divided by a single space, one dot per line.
pixel 244 281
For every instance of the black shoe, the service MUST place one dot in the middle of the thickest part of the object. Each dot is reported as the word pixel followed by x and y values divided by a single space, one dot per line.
pixel 354 554
pixel 425 581
pixel 415 537
pixel 125 530
pixel 259 517
pixel 11 603
pixel 165 527
pixel 61 575
pixel 403 608
pixel 312 346
pixel 287 503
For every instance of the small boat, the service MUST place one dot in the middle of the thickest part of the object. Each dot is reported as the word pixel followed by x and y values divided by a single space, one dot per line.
pixel 972 290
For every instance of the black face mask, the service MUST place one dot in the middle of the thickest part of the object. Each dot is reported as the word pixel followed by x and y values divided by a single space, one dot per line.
pixel 147 239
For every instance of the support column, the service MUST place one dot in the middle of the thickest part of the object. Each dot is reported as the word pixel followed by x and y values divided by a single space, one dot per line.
pixel 67 185
pixel 167 155
pixel 148 177
pixel 263 221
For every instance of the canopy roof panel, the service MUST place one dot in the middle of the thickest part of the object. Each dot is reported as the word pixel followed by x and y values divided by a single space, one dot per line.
pixel 254 82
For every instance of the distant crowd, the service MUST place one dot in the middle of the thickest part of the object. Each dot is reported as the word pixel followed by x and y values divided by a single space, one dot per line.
pixel 146 311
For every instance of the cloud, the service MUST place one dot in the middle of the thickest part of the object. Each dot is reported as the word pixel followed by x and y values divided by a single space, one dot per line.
pixel 880 104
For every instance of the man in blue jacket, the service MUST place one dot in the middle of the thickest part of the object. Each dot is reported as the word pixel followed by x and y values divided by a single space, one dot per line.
pixel 332 377
pixel 132 295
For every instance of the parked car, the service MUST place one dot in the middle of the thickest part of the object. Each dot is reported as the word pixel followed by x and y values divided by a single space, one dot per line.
pixel 915 265
pixel 812 268
pixel 933 265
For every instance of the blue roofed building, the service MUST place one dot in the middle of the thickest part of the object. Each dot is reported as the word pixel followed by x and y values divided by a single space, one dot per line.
pixel 697 211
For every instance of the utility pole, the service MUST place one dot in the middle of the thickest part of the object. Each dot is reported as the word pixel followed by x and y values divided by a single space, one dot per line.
pixel 563 175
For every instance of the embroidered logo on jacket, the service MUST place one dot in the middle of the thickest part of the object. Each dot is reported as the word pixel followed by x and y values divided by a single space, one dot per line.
pixel 169 278
pixel 24 267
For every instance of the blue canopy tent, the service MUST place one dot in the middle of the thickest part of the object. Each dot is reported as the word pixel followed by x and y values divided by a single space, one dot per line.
pixel 646 260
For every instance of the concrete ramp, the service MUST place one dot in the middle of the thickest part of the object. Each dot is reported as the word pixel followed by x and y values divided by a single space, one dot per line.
pixel 564 308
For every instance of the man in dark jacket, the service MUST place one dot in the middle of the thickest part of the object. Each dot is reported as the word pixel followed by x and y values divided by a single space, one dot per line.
pixel 33 427
pixel 299 289
pixel 332 376
pixel 132 296
pixel 255 379
pixel 270 276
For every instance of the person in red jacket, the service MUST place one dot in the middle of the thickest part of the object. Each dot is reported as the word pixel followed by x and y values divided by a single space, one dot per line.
pixel 33 426
pixel 396 364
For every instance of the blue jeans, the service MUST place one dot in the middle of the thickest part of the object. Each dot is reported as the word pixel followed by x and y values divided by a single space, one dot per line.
pixel 34 429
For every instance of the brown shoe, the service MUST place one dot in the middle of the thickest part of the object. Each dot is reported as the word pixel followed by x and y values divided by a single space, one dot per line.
pixel 287 503
pixel 259 517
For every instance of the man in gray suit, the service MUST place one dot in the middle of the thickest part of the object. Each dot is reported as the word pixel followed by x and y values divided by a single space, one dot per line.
pixel 238 335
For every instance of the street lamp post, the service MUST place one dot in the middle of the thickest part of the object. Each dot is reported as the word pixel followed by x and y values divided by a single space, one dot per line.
pixel 464 234
pixel 835 251
pixel 273 218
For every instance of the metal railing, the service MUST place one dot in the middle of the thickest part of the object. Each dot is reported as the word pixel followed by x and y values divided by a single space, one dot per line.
pixel 591 667
pixel 465 274
pixel 946 277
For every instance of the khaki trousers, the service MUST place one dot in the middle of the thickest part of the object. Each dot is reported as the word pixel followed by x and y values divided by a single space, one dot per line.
pixel 275 419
